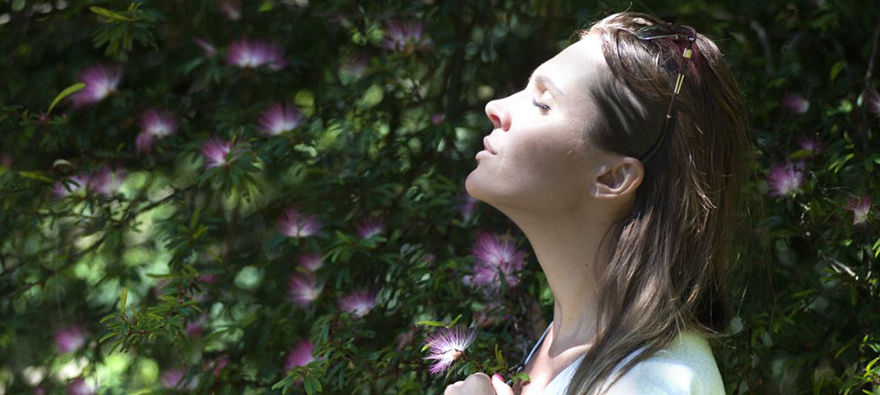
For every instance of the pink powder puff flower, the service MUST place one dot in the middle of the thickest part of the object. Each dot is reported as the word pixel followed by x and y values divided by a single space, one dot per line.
pixel 785 179
pixel 446 345
pixel 467 206
pixel 294 224
pixel 78 386
pixel 406 37
pixel 246 53
pixel 216 152
pixel 303 289
pixel 871 100
pixel 231 9
pixel 795 103
pixel 196 328
pixel 108 180
pixel 358 303
pixel 219 363
pixel 495 258
pixel 300 355
pixel 154 124
pixel 808 143
pixel 207 48
pixel 70 338
pixel 370 227
pixel 171 378
pixel 279 119
pixel 311 261
pixel 100 81
pixel 83 183
pixel 354 63
pixel 860 207
pixel 405 338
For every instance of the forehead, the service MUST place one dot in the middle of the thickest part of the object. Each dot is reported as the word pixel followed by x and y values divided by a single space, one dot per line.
pixel 577 66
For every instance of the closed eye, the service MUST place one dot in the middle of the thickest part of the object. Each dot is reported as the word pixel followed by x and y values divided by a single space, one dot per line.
pixel 542 106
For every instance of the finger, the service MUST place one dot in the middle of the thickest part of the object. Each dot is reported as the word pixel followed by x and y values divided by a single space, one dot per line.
pixel 501 388
pixel 478 384
pixel 478 377
pixel 453 389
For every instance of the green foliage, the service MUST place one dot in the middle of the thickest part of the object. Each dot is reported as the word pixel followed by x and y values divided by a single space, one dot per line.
pixel 178 263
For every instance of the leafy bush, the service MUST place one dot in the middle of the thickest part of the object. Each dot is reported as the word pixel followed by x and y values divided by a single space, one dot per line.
pixel 261 197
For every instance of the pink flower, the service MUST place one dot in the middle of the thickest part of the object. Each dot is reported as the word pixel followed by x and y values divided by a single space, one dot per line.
pixel 358 303
pixel 808 143
pixel 860 207
pixel 196 328
pixel 795 103
pixel 311 261
pixel 100 81
pixel 154 124
pixel 354 63
pixel 216 152
pixel 370 227
pixel 785 179
pixel 219 363
pixel 437 119
pixel 303 289
pixel 446 345
pixel 207 48
pixel 467 206
pixel 108 180
pixel 279 119
pixel 171 378
pixel 872 100
pixel 300 355
pixel 83 182
pixel 495 258
pixel 405 338
pixel 294 224
pixel 78 386
pixel 230 8
pixel 247 53
pixel 70 338
pixel 406 37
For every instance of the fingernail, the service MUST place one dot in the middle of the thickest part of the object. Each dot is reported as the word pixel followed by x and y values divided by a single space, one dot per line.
pixel 498 376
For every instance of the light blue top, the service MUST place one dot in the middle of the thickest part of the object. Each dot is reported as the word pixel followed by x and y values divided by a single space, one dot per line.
pixel 685 367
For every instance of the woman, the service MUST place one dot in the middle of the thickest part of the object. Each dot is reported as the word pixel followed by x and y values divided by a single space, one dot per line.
pixel 630 219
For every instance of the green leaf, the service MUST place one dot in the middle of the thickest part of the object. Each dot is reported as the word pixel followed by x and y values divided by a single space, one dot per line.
pixel 123 297
pixel 109 14
pixel 835 70
pixel 107 336
pixel 66 92
pixel 36 175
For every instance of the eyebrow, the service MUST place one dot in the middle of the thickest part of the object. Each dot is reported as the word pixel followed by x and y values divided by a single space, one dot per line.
pixel 546 82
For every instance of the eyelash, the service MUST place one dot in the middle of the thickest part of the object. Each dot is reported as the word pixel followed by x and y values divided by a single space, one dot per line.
pixel 542 106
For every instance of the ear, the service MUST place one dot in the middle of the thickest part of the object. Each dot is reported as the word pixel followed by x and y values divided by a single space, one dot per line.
pixel 617 178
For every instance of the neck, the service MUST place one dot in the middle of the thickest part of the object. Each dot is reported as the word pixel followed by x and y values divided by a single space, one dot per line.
pixel 565 244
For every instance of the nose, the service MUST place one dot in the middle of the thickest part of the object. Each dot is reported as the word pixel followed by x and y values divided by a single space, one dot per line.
pixel 498 114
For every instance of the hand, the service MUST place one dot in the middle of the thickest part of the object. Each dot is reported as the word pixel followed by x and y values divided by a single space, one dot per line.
pixel 480 384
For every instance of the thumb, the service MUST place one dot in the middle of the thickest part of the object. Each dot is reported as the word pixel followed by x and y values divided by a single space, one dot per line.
pixel 500 387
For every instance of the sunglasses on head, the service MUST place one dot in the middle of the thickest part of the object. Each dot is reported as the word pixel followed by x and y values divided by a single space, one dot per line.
pixel 675 32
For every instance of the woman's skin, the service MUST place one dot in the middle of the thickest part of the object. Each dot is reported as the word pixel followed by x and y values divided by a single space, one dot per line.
pixel 562 195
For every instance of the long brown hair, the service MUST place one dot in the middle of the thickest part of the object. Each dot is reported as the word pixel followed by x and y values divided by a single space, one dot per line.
pixel 666 271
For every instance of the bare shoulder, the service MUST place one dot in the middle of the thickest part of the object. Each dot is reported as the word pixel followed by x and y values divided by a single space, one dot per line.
pixel 685 367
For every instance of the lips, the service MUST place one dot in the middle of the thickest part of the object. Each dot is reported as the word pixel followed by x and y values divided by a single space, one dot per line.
pixel 487 146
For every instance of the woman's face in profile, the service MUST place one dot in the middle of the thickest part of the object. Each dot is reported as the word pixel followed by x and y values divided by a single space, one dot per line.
pixel 540 161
